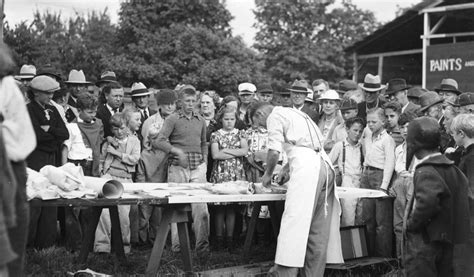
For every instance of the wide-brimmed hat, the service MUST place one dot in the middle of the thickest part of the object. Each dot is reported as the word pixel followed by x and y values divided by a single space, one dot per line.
pixel 396 85
pixel 265 88
pixel 50 71
pixel 348 104
pixel 422 133
pixel 106 77
pixel 448 85
pixel 27 72
pixel 372 83
pixel 299 86
pixel 465 98
pixel 45 84
pixel 346 85
pixel 330 95
pixel 429 99
pixel 139 89
pixel 416 92
pixel 77 77
pixel 166 97
pixel 283 90
pixel 247 88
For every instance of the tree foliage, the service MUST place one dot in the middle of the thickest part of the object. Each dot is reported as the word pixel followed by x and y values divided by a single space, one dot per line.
pixel 76 43
pixel 305 39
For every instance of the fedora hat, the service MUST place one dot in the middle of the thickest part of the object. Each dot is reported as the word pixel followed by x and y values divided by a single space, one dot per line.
pixel 448 85
pixel 429 99
pixel 265 88
pixel 139 89
pixel 423 133
pixel 396 85
pixel 247 88
pixel 106 77
pixel 346 85
pixel 45 84
pixel 348 104
pixel 27 72
pixel 372 83
pixel 416 92
pixel 77 77
pixel 330 95
pixel 299 86
pixel 50 71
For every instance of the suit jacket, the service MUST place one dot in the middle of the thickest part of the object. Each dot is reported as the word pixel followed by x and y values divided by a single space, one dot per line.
pixel 314 115
pixel 142 120
pixel 362 108
pixel 104 114
pixel 440 210
pixel 466 165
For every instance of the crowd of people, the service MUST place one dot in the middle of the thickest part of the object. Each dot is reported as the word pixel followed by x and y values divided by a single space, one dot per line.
pixel 196 137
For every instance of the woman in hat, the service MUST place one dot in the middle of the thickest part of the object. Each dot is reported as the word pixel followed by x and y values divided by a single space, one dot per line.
pixel 331 118
pixel 50 132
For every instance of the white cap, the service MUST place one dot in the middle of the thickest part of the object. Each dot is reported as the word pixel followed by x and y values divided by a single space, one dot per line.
pixel 247 88
pixel 330 95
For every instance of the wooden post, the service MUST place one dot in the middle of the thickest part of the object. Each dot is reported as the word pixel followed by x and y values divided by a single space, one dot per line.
pixel 2 6
pixel 426 42
pixel 380 67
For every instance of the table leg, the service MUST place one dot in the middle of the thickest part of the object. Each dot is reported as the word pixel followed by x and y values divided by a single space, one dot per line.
pixel 276 212
pixel 178 214
pixel 185 246
pixel 116 232
pixel 251 228
pixel 89 234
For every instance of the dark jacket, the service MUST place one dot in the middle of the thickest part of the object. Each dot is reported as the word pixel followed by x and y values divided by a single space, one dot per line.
pixel 362 108
pixel 466 165
pixel 411 109
pixel 314 115
pixel 440 209
pixel 104 114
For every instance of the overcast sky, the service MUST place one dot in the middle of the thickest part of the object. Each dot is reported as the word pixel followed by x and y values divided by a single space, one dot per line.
pixel 21 10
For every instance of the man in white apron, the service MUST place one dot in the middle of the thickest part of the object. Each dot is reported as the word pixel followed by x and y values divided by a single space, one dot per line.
pixel 309 236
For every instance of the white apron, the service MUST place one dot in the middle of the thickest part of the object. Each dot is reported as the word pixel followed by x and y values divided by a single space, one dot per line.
pixel 295 224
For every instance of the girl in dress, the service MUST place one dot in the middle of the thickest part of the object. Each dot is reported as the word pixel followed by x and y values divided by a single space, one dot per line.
pixel 228 147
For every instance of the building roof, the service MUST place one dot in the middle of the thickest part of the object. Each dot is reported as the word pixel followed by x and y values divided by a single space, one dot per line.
pixel 403 33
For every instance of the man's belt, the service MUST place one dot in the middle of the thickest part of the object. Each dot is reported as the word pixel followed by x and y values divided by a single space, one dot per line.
pixel 368 167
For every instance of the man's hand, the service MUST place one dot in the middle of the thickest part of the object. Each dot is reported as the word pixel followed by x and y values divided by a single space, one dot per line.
pixel 283 175
pixel 266 180
pixel 180 157
pixel 45 127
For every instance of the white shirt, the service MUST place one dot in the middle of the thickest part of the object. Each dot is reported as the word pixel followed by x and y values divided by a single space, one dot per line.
pixel 352 162
pixel 380 153
pixel 111 110
pixel 289 125
pixel 76 147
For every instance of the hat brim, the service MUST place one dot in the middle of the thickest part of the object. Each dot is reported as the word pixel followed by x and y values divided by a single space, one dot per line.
pixel 100 82
pixel 395 91
pixel 422 109
pixel 245 92
pixel 372 89
pixel 298 91
pixel 321 98
pixel 78 83
pixel 24 77
pixel 141 94
pixel 450 90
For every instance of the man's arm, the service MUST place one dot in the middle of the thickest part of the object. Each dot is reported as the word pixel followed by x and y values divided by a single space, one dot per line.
pixel 272 160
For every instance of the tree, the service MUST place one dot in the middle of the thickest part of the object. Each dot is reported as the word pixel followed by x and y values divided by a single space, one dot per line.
pixel 302 39
pixel 164 43
pixel 77 43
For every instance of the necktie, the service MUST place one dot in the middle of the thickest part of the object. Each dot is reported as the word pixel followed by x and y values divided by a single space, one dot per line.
pixel 145 114
pixel 115 110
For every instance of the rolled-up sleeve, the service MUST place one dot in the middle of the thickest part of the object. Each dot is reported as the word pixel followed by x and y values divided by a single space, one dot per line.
pixel 276 128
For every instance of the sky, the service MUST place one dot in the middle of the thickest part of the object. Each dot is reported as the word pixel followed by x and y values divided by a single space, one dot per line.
pixel 17 11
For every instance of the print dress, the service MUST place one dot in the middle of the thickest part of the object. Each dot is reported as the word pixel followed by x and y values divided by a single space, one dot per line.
pixel 230 169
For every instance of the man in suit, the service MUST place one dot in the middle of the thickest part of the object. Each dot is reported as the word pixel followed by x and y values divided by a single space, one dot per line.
pixel 438 212
pixel 141 100
pixel 372 88
pixel 76 84
pixel 299 91
pixel 397 91
pixel 114 98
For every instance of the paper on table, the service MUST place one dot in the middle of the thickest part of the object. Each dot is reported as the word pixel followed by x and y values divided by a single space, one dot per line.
pixel 348 193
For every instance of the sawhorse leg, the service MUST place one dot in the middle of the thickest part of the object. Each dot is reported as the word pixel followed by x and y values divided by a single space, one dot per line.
pixel 89 233
pixel 171 214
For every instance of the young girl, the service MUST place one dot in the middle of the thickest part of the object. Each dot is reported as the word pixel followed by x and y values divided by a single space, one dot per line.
pixel 119 159
pixel 348 157
pixel 228 146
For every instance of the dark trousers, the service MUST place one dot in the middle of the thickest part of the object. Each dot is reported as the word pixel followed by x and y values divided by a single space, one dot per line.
pixel 428 258
pixel 18 234
pixel 377 216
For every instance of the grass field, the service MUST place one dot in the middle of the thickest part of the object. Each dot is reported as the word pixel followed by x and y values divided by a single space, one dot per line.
pixel 57 261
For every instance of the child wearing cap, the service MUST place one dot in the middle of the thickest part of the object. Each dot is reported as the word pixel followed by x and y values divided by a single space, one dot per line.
pixel 347 155
pixel 348 110
pixel 379 164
